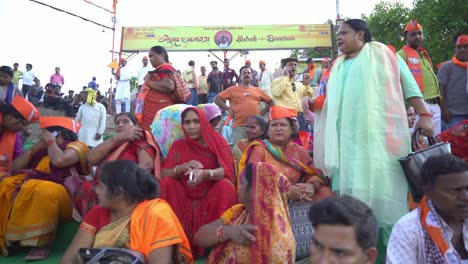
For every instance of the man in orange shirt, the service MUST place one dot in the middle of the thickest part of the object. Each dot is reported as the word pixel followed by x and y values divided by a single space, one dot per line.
pixel 244 101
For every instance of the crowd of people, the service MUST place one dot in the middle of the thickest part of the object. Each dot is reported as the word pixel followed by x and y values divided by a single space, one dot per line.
pixel 307 171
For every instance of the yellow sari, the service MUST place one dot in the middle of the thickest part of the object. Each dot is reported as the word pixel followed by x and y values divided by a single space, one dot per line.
pixel 31 214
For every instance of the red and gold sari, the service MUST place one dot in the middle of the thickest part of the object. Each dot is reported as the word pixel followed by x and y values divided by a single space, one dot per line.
pixel 34 201
pixel 204 203
pixel 275 241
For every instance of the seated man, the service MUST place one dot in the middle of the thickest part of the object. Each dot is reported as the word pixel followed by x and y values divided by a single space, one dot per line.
pixel 35 92
pixel 345 231
pixel 437 231
pixel 52 96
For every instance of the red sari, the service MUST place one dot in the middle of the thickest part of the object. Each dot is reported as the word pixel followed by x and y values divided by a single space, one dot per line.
pixel 206 202
pixel 154 100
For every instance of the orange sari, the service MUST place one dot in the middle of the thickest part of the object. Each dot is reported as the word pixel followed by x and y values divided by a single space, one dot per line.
pixel 33 201
pixel 275 241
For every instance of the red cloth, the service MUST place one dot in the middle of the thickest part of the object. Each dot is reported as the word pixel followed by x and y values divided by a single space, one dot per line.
pixel 131 152
pixel 98 217
pixel 458 138
pixel 154 100
pixel 204 203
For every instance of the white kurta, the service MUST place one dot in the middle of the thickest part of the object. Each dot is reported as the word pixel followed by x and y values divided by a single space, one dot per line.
pixel 123 85
pixel 264 83
pixel 93 120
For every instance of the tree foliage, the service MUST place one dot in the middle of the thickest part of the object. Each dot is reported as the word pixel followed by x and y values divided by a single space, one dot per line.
pixel 442 21
pixel 387 22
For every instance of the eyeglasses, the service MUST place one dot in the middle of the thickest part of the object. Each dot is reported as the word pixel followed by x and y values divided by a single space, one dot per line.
pixel 293 87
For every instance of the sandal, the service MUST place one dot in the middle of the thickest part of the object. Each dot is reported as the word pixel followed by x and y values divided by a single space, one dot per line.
pixel 37 253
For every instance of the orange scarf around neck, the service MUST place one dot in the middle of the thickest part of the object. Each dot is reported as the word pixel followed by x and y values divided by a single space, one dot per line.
pixel 461 64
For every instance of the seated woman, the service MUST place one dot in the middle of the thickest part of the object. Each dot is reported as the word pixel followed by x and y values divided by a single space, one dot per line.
pixel 129 143
pixel 14 117
pixel 198 174
pixel 255 129
pixel 289 158
pixel 304 139
pixel 33 199
pixel 253 231
pixel 213 113
pixel 131 215
pixel 292 160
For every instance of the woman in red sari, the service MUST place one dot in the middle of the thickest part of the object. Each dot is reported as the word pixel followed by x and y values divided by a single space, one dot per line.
pixel 129 143
pixel 158 86
pixel 198 175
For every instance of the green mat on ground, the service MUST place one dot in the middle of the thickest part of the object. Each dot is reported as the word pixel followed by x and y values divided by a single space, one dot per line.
pixel 65 234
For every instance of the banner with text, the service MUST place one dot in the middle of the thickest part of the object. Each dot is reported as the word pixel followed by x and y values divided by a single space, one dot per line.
pixel 227 37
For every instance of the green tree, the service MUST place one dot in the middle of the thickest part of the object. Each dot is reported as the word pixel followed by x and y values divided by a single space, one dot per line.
pixel 442 22
pixel 387 22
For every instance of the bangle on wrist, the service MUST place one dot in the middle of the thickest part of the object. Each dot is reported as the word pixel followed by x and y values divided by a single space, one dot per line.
pixel 175 170
pixel 426 114
pixel 211 174
pixel 219 234
pixel 50 142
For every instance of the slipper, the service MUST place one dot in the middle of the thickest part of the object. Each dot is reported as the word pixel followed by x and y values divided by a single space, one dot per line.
pixel 37 253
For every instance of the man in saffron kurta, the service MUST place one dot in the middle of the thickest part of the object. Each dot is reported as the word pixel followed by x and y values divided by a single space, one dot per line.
pixel 421 67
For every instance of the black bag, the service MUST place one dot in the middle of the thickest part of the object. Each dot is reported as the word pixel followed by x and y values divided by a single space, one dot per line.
pixel 413 162
pixel 111 256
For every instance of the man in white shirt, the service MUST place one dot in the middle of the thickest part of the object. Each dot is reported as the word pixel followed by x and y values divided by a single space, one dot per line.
pixel 122 94
pixel 143 71
pixel 265 78
pixel 92 116
pixel 190 78
pixel 345 231
pixel 437 231
pixel 28 79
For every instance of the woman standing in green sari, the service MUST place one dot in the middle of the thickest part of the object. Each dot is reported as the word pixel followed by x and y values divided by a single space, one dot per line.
pixel 364 120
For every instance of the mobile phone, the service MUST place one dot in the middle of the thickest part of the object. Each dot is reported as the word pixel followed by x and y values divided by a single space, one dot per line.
pixel 55 133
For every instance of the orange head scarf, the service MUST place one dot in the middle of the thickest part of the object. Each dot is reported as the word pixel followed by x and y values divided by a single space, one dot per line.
pixel 462 40
pixel 25 108
pixel 65 122
pixel 277 112
pixel 413 25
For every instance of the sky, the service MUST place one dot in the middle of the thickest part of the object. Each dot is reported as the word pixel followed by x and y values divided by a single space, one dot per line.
pixel 46 38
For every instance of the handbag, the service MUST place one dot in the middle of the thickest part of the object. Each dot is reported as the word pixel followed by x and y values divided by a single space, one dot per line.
pixel 74 184
pixel 300 222
pixel 301 227
pixel 111 256
pixel 413 162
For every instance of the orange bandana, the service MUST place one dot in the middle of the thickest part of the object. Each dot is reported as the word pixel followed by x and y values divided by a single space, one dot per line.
pixel 462 40
pixel 65 122
pixel 25 108
pixel 413 25
pixel 277 112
